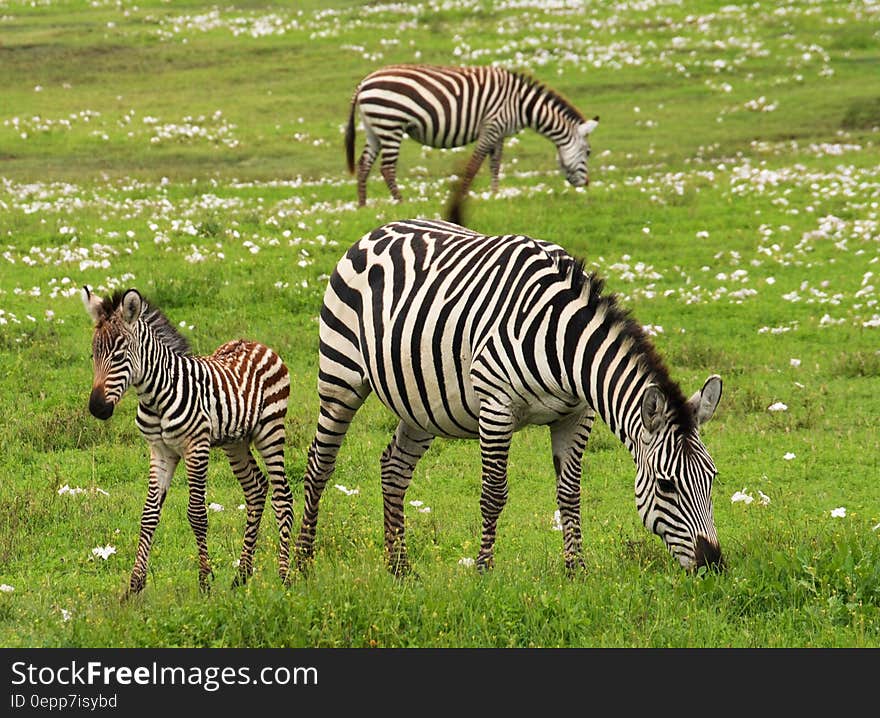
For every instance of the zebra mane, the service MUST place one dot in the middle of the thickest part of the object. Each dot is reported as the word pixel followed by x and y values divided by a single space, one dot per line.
pixel 162 328
pixel 568 109
pixel 590 286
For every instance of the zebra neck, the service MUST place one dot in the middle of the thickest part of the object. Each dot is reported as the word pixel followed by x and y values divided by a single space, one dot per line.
pixel 540 110
pixel 614 382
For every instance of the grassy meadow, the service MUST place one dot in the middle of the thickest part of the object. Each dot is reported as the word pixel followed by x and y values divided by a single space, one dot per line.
pixel 195 152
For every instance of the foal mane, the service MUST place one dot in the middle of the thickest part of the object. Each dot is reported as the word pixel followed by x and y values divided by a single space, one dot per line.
pixel 160 325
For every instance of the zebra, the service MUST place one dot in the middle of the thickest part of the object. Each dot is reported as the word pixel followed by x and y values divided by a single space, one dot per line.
pixel 456 106
pixel 464 335
pixel 187 404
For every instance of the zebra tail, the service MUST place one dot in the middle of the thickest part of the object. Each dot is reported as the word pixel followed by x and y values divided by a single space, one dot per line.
pixel 349 136
pixel 455 207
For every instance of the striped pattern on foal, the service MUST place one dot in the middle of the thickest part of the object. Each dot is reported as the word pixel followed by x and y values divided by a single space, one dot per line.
pixel 472 336
pixel 455 106
pixel 234 398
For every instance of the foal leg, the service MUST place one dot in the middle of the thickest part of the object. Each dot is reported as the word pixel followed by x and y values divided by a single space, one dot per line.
pixel 569 439
pixel 398 462
pixel 162 465
pixel 196 458
pixel 255 487
pixel 270 443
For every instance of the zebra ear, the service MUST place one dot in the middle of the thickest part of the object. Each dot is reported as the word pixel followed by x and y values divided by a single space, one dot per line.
pixel 132 304
pixel 653 411
pixel 705 401
pixel 93 304
pixel 587 127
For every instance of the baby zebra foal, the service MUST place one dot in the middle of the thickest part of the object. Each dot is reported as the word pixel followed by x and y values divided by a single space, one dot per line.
pixel 186 405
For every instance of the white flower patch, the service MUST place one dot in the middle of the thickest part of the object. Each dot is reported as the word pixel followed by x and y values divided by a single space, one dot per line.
pixel 466 561
pixel 789 456
pixel 795 363
pixel 741 497
pixel 104 552
pixel 839 512
pixel 777 406
pixel 764 499
pixel 760 104
pixel 345 490
pixel 66 615
pixel 66 489
pixel 215 506
pixel 6 588
pixel 556 523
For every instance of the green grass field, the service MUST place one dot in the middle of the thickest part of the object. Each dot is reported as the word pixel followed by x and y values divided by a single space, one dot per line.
pixel 195 152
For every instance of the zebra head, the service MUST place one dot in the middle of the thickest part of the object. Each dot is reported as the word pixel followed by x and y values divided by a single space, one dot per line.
pixel 114 347
pixel 675 474
pixel 573 152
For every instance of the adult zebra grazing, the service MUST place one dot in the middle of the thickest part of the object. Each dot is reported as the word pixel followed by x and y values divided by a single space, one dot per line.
pixel 455 106
pixel 186 405
pixel 473 336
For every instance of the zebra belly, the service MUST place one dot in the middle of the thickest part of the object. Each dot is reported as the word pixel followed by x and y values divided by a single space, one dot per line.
pixel 442 406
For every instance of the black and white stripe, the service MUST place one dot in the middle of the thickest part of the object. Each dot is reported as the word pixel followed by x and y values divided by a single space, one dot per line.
pixel 473 336
pixel 455 106
pixel 187 404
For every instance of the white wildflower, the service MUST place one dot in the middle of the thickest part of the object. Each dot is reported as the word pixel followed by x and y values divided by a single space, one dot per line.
pixel 104 551
pixel 789 456
pixel 345 490
pixel 839 512
pixel 741 496
pixel 215 506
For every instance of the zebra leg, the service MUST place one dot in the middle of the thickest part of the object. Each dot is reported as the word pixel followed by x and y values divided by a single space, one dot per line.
pixel 255 487
pixel 334 417
pixel 162 466
pixel 569 439
pixel 398 462
pixel 496 432
pixel 270 444
pixel 390 153
pixel 495 164
pixel 365 164
pixel 196 459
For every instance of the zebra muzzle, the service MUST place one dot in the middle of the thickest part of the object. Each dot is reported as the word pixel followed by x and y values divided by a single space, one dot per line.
pixel 99 407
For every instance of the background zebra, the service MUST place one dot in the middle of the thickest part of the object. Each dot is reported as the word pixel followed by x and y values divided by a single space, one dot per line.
pixel 186 405
pixel 465 335
pixel 455 106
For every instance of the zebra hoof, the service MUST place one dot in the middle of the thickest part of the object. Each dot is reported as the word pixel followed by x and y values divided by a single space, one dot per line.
pixel 485 564
pixel 239 580
pixel 575 568
pixel 205 582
